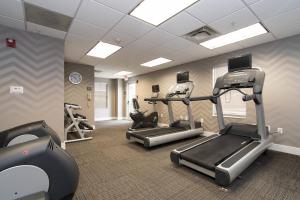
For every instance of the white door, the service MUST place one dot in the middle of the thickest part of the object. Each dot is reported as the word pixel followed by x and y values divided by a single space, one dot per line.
pixel 101 101
pixel 130 95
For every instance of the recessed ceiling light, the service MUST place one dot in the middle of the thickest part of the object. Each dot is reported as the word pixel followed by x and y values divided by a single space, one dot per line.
pixel 155 62
pixel 123 73
pixel 157 11
pixel 103 50
pixel 235 36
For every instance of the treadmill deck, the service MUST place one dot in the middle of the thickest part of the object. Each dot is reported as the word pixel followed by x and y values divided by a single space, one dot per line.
pixel 213 152
pixel 156 132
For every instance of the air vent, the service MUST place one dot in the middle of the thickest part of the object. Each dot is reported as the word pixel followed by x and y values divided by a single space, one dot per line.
pixel 202 34
pixel 51 145
pixel 44 17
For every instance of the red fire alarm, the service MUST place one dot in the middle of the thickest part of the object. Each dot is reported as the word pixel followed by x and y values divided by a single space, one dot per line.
pixel 11 42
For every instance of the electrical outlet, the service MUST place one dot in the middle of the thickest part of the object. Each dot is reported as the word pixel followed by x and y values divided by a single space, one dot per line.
pixel 17 90
pixel 201 120
pixel 161 115
pixel 280 130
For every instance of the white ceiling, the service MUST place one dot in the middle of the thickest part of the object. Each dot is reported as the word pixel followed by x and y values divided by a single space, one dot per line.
pixel 108 21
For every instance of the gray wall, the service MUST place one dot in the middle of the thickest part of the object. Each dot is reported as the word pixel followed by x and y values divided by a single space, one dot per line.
pixel 112 96
pixel 37 64
pixel 78 94
pixel 281 62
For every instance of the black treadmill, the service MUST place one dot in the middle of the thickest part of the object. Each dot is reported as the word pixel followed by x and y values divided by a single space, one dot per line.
pixel 177 130
pixel 225 155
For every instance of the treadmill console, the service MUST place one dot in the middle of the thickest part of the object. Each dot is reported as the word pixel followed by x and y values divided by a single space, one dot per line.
pixel 183 87
pixel 239 79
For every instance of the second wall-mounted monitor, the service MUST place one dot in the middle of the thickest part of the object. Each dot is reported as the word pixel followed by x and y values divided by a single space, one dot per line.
pixel 240 63
pixel 183 77
pixel 155 88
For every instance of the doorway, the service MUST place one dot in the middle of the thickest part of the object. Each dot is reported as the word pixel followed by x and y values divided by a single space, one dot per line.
pixel 131 88
pixel 101 101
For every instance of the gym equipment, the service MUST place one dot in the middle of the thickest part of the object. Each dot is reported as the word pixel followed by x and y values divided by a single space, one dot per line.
pixel 225 155
pixel 76 123
pixel 37 169
pixel 27 132
pixel 177 130
pixel 140 120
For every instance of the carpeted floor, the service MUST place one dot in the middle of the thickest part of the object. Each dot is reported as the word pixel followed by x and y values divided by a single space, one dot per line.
pixel 113 168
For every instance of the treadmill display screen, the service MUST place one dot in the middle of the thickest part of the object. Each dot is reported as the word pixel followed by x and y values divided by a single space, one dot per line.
pixel 240 63
pixel 183 77
pixel 155 88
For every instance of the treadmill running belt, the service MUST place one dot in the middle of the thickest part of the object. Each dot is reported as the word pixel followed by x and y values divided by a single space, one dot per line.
pixel 211 153
pixel 157 132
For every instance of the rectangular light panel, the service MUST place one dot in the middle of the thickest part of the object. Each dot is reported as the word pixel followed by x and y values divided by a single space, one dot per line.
pixel 123 73
pixel 157 11
pixel 103 50
pixel 155 62
pixel 235 36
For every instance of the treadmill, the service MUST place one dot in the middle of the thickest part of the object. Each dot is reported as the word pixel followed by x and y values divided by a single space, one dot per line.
pixel 177 130
pixel 225 155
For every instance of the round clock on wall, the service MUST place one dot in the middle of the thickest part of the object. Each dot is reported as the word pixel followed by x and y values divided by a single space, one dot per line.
pixel 75 78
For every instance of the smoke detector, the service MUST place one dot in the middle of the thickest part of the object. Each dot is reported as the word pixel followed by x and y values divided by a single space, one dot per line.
pixel 201 34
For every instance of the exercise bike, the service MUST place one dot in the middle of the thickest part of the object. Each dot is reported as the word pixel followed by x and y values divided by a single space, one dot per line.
pixel 140 119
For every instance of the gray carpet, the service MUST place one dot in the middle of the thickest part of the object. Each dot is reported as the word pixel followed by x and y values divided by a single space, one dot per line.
pixel 113 168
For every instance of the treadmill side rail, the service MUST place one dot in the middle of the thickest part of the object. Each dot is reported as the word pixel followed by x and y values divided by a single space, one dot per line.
pixel 233 166
pixel 163 139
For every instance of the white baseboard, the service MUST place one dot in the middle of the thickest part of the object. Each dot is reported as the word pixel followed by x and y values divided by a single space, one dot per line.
pixel 285 149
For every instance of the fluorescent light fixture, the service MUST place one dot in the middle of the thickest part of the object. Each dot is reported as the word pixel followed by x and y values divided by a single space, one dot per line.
pixel 123 73
pixel 103 50
pixel 235 36
pixel 157 11
pixel 155 62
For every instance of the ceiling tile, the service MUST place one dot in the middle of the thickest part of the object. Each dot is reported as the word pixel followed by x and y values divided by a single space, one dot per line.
pixel 249 2
pixel 86 30
pixel 266 9
pixel 132 26
pixel 158 36
pixel 89 60
pixel 76 47
pixel 228 48
pixel 13 23
pixel 12 9
pixel 177 44
pixel 268 37
pixel 100 15
pixel 119 39
pixel 181 24
pixel 66 7
pixel 124 6
pixel 237 20
pixel 211 10
pixel 43 30
pixel 285 24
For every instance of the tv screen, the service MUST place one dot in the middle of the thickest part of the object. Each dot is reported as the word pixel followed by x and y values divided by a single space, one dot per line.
pixel 155 88
pixel 183 77
pixel 240 63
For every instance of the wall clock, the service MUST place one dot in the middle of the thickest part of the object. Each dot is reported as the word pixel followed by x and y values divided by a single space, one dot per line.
pixel 75 78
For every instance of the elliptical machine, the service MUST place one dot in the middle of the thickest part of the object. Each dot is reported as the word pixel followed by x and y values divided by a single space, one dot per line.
pixel 33 166
pixel 140 119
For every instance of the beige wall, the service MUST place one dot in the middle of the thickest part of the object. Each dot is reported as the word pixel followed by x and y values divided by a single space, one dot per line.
pixel 78 94
pixel 280 60
pixel 37 64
